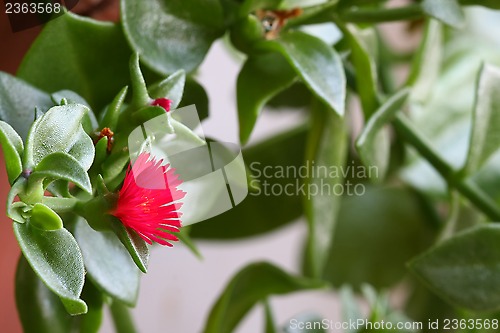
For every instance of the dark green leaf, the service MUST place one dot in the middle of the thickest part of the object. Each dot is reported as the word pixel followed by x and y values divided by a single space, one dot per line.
pixel 108 263
pixel 110 116
pixel 261 211
pixel 18 101
pixel 373 144
pixel 252 284
pixel 268 313
pixel 56 259
pixel 379 231
pixel 261 77
pixel 12 146
pixel 134 244
pixel 177 36
pixel 485 136
pixel 62 166
pixel 326 150
pixel 40 310
pixel 464 270
pixel 494 4
pixel 172 88
pixel 194 93
pixel 447 11
pixel 80 54
pixel 319 66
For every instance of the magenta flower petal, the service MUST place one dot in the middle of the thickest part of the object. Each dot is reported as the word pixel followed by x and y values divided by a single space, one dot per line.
pixel 149 200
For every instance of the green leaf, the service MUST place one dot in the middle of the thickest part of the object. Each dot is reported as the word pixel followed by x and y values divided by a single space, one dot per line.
pixel 58 130
pixel 194 93
pixel 319 66
pixel 80 54
pixel 122 319
pixel 56 259
pixel 373 144
pixel 15 209
pixel 12 146
pixel 251 285
pixel 260 78
pixel 89 121
pixel 350 308
pixel 135 245
pixel 108 263
pixel 494 4
pixel 62 166
pixel 177 36
pixel 270 326
pixel 485 136
pixel 363 59
pixel 83 149
pixel 304 323
pixel 18 100
pixel 110 116
pixel 326 150
pixel 447 11
pixel 379 231
pixel 172 88
pixel 262 212
pixel 40 310
pixel 426 63
pixel 464 269
pixel 45 218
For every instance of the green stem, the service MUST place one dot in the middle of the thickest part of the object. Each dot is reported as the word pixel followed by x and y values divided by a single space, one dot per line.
pixel 60 205
pixel 466 187
pixel 411 12
pixel 122 318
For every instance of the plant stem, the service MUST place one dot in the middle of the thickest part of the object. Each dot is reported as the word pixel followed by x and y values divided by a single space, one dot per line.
pixel 411 12
pixel 122 318
pixel 60 205
pixel 466 187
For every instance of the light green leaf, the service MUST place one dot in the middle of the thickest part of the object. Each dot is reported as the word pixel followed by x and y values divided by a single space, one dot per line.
pixel 177 36
pixel 12 146
pixel 350 307
pixel 56 259
pixel 447 11
pixel 261 78
pixel 261 212
pixel 45 218
pixel 485 136
pixel 58 130
pixel 109 118
pixel 172 88
pixel 108 263
pixel 373 144
pixel 252 284
pixel 135 245
pixel 40 310
pixel 319 66
pixel 18 100
pixel 15 209
pixel 326 150
pixel 379 231
pixel 83 149
pixel 304 323
pixel 62 166
pixel 80 54
pixel 464 270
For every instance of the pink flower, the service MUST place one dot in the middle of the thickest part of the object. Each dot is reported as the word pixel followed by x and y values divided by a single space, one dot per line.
pixel 162 102
pixel 148 202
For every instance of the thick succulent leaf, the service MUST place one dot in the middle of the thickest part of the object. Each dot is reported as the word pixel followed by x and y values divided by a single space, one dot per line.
pixel 447 11
pixel 108 263
pixel 40 310
pixel 464 270
pixel 172 88
pixel 485 136
pixel 80 54
pixel 260 78
pixel 134 244
pixel 177 36
pixel 326 150
pixel 12 146
pixel 65 167
pixel 56 259
pixel 252 284
pixel 373 144
pixel 319 66
pixel 18 101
